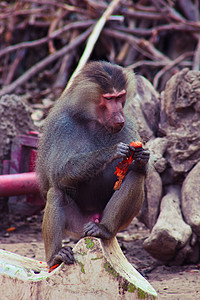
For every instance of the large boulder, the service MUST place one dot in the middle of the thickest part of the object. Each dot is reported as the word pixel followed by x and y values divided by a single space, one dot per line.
pixel 170 233
pixel 145 108
pixel 180 121
pixel 153 182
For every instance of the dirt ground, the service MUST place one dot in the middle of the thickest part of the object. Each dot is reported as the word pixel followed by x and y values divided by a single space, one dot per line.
pixel 170 282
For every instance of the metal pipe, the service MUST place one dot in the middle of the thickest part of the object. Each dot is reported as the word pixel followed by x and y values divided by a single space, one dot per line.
pixel 18 184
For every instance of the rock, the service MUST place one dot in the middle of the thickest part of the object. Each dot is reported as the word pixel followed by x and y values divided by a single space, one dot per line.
pixel 153 183
pixel 101 271
pixel 15 119
pixel 170 233
pixel 194 254
pixel 146 108
pixel 190 204
pixel 184 149
pixel 180 121
pixel 153 194
pixel 157 148
pixel 181 255
pixel 182 95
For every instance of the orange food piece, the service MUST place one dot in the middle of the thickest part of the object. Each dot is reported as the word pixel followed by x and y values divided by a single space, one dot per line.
pixel 53 267
pixel 122 167
pixel 136 144
pixel 10 229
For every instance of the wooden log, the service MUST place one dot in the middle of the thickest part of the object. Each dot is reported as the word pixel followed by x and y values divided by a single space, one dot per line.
pixel 101 272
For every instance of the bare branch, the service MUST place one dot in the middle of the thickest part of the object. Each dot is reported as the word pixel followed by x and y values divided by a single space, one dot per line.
pixel 83 24
pixel 170 66
pixel 42 64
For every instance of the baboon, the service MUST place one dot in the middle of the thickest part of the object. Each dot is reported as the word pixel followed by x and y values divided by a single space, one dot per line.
pixel 85 135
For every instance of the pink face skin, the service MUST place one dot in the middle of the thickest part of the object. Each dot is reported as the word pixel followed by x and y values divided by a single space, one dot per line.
pixel 110 110
pixel 115 94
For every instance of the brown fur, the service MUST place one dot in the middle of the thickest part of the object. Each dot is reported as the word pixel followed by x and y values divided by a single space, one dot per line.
pixel 77 157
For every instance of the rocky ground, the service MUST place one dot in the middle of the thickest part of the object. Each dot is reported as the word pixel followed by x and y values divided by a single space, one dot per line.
pixel 170 282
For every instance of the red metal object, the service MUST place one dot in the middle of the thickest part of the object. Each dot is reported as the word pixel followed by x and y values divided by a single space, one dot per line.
pixel 18 180
pixel 18 184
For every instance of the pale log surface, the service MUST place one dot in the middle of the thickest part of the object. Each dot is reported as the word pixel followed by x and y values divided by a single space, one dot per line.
pixel 101 271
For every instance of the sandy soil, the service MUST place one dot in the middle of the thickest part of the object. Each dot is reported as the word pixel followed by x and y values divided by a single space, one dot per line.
pixel 170 282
